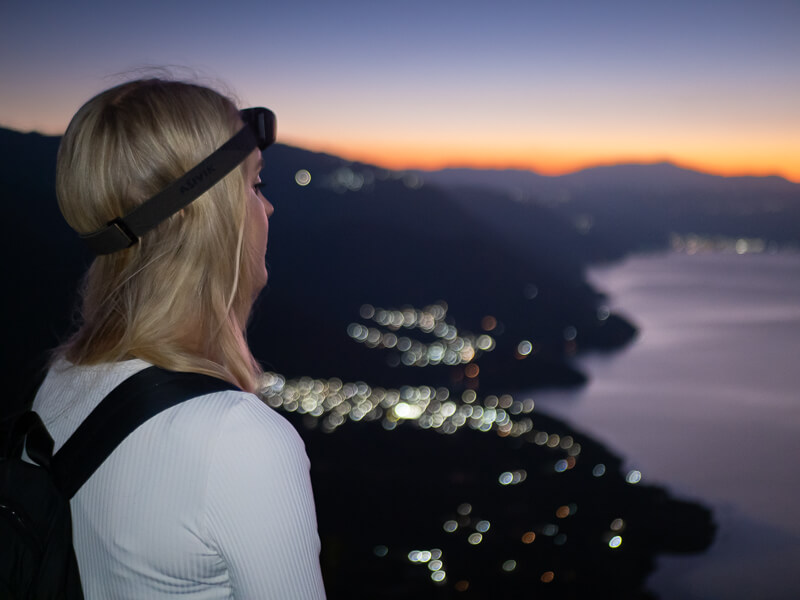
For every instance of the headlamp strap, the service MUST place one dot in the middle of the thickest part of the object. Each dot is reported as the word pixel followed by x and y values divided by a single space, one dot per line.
pixel 124 232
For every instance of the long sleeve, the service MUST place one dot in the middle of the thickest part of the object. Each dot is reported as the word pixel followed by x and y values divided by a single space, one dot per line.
pixel 260 507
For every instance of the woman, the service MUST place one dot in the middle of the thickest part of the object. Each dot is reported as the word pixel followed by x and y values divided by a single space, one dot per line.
pixel 210 498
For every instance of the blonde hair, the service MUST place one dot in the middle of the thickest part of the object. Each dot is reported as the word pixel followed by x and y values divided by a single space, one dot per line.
pixel 181 297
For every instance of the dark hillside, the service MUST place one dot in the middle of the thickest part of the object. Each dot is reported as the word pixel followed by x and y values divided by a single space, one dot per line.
pixel 624 208
pixel 355 235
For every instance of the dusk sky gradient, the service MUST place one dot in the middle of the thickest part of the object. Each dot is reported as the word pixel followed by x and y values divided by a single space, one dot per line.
pixel 543 85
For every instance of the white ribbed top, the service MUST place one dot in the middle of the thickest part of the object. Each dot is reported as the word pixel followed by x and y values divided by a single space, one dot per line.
pixel 209 499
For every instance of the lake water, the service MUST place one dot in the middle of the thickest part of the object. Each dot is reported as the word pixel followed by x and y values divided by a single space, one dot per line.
pixel 706 402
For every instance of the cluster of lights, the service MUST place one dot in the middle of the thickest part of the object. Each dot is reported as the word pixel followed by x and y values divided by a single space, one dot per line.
pixel 512 477
pixel 335 402
pixel 347 179
pixel 694 244
pixel 432 559
pixel 450 348
pixel 354 178
pixel 476 528
pixel 613 537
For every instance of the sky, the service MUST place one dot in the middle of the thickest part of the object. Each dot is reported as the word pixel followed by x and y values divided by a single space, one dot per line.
pixel 551 86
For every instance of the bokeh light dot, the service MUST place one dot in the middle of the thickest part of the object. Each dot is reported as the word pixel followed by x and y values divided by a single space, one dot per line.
pixel 528 537
pixel 633 477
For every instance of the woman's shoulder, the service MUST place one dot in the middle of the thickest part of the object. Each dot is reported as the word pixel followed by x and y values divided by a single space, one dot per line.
pixel 244 421
pixel 69 393
pixel 242 409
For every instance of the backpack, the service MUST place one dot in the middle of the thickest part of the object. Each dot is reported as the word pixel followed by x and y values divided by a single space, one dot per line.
pixel 37 558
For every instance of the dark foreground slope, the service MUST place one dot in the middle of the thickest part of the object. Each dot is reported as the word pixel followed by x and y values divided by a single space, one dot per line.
pixel 413 513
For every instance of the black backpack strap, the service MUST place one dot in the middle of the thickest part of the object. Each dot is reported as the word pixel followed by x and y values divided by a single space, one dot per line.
pixel 131 403
pixel 25 430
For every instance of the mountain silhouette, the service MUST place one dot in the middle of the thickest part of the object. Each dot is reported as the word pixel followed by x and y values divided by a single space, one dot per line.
pixel 623 208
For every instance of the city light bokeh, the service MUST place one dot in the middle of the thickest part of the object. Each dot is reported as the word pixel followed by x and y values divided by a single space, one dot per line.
pixel 535 547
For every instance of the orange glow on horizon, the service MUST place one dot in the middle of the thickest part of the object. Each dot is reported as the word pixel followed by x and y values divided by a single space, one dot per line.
pixel 769 158
pixel 722 162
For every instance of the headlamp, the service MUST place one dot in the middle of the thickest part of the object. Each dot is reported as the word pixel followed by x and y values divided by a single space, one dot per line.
pixel 123 232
